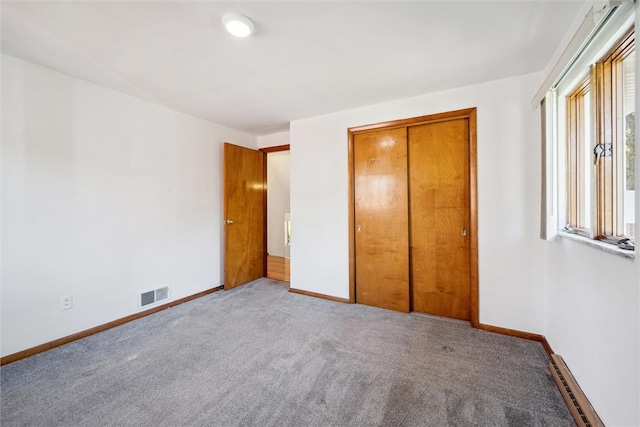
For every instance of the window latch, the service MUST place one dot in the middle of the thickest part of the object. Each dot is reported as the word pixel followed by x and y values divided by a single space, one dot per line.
pixel 601 150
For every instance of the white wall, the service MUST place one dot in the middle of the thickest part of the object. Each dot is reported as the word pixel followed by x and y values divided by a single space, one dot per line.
pixel 585 301
pixel 510 254
pixel 103 195
pixel 591 318
pixel 274 139
pixel 278 192
pixel 277 201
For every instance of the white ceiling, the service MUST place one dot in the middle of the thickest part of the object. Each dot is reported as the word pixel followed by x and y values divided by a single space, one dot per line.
pixel 306 58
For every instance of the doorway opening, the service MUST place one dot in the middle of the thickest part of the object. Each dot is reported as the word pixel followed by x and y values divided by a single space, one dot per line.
pixel 277 213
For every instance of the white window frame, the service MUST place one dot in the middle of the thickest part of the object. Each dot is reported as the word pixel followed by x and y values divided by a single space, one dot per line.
pixel 598 44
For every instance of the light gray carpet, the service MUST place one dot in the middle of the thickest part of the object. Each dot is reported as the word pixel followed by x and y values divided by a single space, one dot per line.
pixel 259 355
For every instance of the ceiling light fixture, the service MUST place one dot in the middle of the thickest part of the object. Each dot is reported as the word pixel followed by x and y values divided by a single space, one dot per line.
pixel 238 25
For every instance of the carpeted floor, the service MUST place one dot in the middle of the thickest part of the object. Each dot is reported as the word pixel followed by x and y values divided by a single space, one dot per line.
pixel 259 355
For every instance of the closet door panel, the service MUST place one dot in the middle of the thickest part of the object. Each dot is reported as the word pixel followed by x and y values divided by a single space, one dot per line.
pixel 439 215
pixel 381 219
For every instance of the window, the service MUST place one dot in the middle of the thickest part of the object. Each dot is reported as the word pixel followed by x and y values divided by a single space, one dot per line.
pixel 580 148
pixel 600 138
pixel 629 141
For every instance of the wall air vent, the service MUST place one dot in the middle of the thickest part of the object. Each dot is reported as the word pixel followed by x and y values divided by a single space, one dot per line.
pixel 152 297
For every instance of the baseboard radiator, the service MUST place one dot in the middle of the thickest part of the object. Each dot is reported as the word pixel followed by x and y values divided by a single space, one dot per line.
pixel 580 408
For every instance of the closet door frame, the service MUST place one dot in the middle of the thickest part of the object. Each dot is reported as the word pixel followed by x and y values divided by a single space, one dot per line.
pixel 470 114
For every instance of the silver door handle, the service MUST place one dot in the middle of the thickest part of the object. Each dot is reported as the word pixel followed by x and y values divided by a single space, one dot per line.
pixel 228 221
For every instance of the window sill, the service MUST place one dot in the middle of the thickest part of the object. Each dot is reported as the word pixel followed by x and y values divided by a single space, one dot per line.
pixel 606 247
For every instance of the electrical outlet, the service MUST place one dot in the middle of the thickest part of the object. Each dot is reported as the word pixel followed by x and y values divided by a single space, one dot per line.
pixel 66 302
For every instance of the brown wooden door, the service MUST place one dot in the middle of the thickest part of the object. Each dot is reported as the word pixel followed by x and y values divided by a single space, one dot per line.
pixel 244 244
pixel 381 219
pixel 439 212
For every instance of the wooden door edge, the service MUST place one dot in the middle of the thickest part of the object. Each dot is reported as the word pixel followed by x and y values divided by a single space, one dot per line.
pixel 352 213
pixel 275 148
pixel 264 214
pixel 416 121
pixel 473 218
pixel 225 278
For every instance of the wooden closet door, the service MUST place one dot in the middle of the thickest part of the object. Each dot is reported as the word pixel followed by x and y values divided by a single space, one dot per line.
pixel 244 194
pixel 381 219
pixel 439 212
